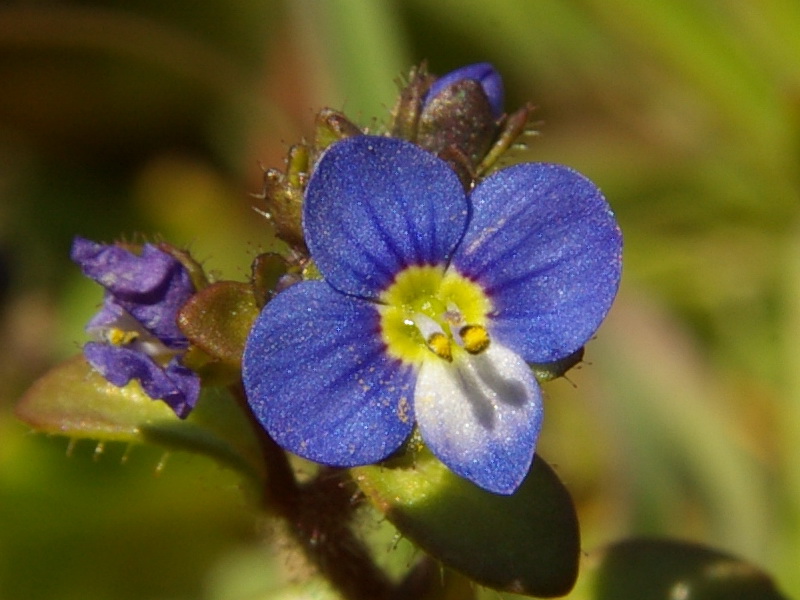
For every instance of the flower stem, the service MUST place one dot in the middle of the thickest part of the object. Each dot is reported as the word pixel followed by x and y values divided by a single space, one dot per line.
pixel 318 516
pixel 321 521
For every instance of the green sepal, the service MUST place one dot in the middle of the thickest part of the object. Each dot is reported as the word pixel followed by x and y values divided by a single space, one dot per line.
pixel 218 320
pixel 194 268
pixel 658 569
pixel 332 126
pixel 298 163
pixel 554 370
pixel 73 400
pixel 407 109
pixel 526 543
pixel 266 274
pixel 283 194
pixel 509 143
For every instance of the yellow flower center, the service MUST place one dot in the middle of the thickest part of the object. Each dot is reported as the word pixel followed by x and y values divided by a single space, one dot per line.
pixel 428 311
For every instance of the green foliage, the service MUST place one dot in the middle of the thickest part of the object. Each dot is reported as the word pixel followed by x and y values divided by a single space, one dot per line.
pixel 217 320
pixel 152 117
pixel 660 569
pixel 75 401
pixel 527 543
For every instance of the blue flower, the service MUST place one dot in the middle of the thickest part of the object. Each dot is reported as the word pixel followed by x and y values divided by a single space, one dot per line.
pixel 136 329
pixel 484 73
pixel 432 304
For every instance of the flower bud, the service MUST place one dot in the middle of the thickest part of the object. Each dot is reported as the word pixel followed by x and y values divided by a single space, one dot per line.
pixel 461 115
pixel 483 73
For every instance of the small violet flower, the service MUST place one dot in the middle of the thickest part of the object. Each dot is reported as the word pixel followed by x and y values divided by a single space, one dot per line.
pixel 484 73
pixel 136 331
pixel 432 304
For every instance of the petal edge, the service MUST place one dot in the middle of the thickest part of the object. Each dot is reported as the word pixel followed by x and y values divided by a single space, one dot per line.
pixel 544 244
pixel 481 416
pixel 375 205
pixel 319 381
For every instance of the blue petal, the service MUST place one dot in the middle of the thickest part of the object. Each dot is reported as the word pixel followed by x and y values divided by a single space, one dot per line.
pixel 187 388
pixel 544 245
pixel 122 273
pixel 176 385
pixel 110 315
pixel 151 286
pixel 481 416
pixel 376 205
pixel 484 73
pixel 320 382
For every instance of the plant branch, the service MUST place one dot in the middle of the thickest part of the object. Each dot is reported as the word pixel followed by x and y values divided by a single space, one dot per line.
pixel 319 515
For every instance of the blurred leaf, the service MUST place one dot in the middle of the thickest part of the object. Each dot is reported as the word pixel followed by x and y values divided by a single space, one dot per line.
pixel 527 543
pixel 74 400
pixel 788 426
pixel 654 569
pixel 711 59
pixel 218 427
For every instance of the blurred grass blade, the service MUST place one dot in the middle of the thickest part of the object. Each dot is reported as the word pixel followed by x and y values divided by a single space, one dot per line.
pixel 674 428
pixel 363 48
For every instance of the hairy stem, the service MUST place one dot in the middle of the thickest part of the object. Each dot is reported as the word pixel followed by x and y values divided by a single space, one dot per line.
pixel 319 515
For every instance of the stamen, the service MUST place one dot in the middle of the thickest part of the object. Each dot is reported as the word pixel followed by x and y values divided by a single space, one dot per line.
pixel 120 337
pixel 475 338
pixel 439 344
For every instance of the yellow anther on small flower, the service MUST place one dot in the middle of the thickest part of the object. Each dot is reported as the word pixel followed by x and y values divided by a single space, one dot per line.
pixel 439 344
pixel 475 338
pixel 120 337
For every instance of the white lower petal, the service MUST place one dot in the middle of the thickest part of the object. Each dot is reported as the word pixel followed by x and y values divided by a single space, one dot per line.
pixel 481 415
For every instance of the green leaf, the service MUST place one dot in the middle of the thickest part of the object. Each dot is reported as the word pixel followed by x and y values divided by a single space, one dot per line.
pixel 74 400
pixel 218 320
pixel 661 569
pixel 527 543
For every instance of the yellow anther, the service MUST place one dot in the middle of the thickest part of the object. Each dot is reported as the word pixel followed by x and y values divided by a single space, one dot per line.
pixel 439 344
pixel 120 337
pixel 475 338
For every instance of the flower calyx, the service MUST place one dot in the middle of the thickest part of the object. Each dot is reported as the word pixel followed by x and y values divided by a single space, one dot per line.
pixel 459 117
pixel 283 196
pixel 283 191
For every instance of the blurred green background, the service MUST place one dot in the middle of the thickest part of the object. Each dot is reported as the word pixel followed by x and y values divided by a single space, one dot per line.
pixel 147 117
